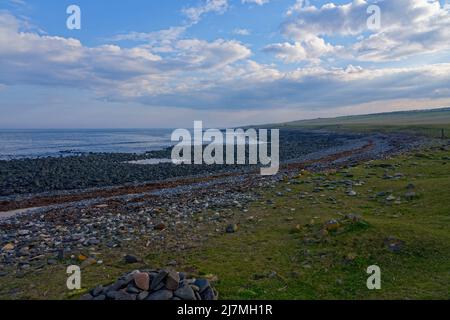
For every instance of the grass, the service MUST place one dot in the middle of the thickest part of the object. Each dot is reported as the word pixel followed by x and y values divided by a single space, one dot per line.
pixel 272 255
pixel 421 122
pixel 321 270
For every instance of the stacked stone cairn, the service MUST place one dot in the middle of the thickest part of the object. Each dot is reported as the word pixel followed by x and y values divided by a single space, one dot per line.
pixel 154 285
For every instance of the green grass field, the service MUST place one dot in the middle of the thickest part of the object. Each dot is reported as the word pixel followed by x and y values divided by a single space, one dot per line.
pixel 427 122
pixel 281 251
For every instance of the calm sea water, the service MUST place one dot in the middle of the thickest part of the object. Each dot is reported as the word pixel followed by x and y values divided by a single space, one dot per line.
pixel 42 143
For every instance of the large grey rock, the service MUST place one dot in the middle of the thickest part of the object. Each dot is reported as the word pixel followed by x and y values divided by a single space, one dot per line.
pixel 156 281
pixel 172 280
pixel 185 293
pixel 202 284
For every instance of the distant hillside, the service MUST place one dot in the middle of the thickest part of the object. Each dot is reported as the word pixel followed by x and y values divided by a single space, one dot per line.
pixel 434 122
pixel 408 118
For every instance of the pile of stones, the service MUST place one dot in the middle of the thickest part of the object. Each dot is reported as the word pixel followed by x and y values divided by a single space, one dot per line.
pixel 154 285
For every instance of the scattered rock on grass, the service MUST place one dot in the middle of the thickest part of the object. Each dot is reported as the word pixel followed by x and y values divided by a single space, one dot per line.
pixel 131 259
pixel 394 244
pixel 232 228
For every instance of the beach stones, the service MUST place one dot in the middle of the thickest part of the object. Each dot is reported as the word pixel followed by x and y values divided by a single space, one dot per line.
pixel 154 285
pixel 142 280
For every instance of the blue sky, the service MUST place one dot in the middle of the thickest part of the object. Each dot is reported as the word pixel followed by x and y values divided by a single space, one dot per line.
pixel 227 62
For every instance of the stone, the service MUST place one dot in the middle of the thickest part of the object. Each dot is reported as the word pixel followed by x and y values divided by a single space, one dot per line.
pixel 185 293
pixel 25 251
pixel 172 280
pixel 52 261
pixel 142 296
pixel 332 225
pixel 112 295
pixel 131 259
pixel 119 284
pixel 232 228
pixel 160 226
pixel 123 296
pixel 352 193
pixel 156 281
pixel 23 232
pixel 8 247
pixel 132 289
pixel 86 297
pixel 82 257
pixel 410 186
pixel 172 263
pixel 391 198
pixel 185 289
pixel 393 244
pixel 142 280
pixel 161 295
pixel 129 277
pixel 97 291
pixel 93 242
pixel 208 294
pixel 119 295
pixel 202 284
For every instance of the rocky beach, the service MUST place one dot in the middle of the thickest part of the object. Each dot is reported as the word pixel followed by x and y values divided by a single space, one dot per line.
pixel 71 210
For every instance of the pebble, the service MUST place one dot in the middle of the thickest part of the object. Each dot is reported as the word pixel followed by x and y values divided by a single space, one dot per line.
pixel 131 259
pixel 232 228
pixel 332 225
pixel 8 247
pixel 393 244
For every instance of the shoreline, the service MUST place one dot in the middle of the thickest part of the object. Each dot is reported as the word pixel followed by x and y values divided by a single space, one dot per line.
pixel 167 218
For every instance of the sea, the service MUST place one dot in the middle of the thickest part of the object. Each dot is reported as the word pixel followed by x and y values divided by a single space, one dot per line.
pixel 19 144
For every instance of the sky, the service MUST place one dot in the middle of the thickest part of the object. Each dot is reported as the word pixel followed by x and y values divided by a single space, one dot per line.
pixel 165 64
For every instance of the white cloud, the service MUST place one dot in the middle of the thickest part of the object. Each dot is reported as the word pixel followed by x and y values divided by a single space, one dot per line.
pixel 216 6
pixel 408 27
pixel 164 35
pixel 242 32
pixel 258 2
pixel 308 50
pixel 30 58
pixel 199 74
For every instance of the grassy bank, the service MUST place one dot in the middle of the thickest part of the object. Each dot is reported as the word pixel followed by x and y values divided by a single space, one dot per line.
pixel 431 123
pixel 400 221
